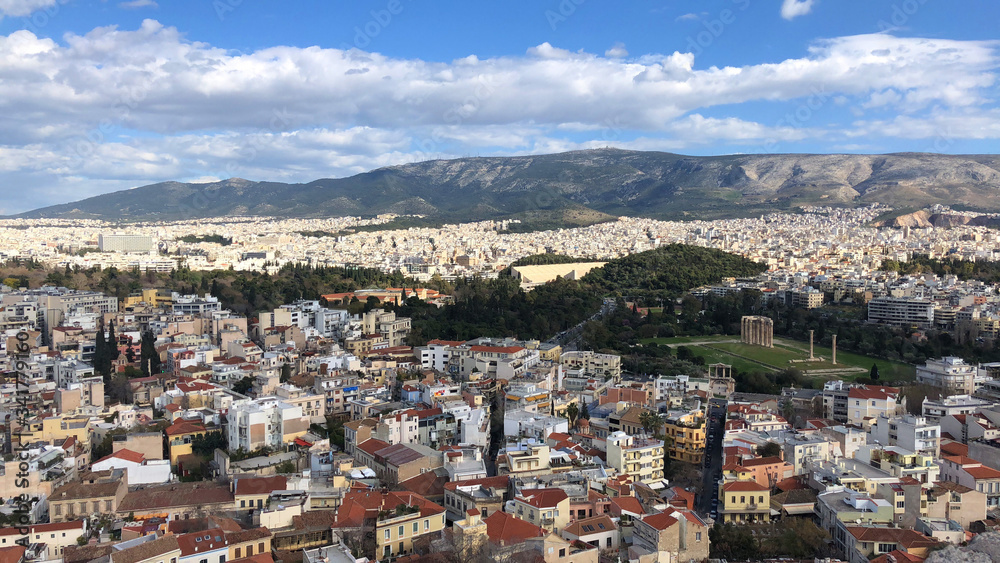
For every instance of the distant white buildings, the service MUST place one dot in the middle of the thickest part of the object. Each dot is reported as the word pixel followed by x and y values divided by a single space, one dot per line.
pixel 951 374
pixel 267 422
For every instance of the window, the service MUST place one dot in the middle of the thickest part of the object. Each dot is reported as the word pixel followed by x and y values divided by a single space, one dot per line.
pixel 387 532
pixel 427 523
pixel 239 552
pixel 249 550
pixel 900 504
pixel 697 537
pixel 743 499
pixel 243 503
pixel 260 547
pixel 416 527
pixel 222 559
pixel 886 547
pixel 401 532
pixel 761 500
pixel 203 561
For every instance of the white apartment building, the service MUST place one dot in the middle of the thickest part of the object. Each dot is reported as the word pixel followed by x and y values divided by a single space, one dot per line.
pixel 124 243
pixel 901 311
pixel 195 305
pixel 266 422
pixel 593 364
pixel 935 410
pixel 665 386
pixel 913 433
pixel 949 373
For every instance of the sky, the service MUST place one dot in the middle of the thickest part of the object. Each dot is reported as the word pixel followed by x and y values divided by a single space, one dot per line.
pixel 101 95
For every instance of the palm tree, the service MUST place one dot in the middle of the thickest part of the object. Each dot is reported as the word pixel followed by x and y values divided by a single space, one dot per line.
pixel 651 422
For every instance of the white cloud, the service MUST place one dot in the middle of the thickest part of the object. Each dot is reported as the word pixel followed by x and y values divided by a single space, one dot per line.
pixel 136 106
pixel 23 7
pixel 617 51
pixel 791 9
pixel 133 4
pixel 690 17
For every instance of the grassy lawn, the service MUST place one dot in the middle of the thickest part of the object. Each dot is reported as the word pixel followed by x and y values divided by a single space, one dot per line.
pixel 777 356
pixel 685 339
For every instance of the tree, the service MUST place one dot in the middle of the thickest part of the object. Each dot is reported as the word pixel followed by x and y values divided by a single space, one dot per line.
pixel 286 372
pixel 244 385
pixel 770 449
pixel 102 361
pixel 585 411
pixel 572 411
pixel 286 466
pixel 788 410
pixel 873 374
pixel 148 356
pixel 112 343
pixel 651 422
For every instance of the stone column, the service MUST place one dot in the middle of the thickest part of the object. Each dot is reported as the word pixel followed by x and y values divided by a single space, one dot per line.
pixel 811 357
pixel 834 349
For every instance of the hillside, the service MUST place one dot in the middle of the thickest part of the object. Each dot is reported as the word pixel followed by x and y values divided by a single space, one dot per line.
pixel 579 187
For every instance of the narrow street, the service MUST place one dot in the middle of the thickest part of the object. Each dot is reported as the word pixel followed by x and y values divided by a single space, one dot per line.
pixel 712 468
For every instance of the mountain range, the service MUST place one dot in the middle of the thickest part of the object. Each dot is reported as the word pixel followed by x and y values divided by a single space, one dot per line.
pixel 575 188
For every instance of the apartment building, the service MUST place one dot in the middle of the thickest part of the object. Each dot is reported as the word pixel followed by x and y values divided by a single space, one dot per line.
pixel 589 363
pixel 640 458
pixel 911 432
pixel 267 422
pixel 686 432
pixel 548 508
pixel 903 311
pixel 949 373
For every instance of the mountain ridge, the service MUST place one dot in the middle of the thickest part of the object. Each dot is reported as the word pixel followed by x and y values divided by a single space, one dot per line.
pixel 596 184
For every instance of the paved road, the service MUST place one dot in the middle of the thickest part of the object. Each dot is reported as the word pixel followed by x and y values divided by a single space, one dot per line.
pixel 713 453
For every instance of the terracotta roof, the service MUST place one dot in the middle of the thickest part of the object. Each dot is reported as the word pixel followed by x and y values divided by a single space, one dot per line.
pixel 626 504
pixel 954 448
pixel 252 534
pixel 174 495
pixel 907 538
pixel 200 542
pixel 898 557
pixel 596 525
pixel 497 349
pixel 183 427
pixel 83 554
pixel 741 486
pixel 542 498
pixel 505 529
pixel 261 485
pixel 983 472
pixel 372 445
pixel 124 454
pixel 144 551
pixel 762 461
pixel 428 484
pixel 12 554
pixel 660 521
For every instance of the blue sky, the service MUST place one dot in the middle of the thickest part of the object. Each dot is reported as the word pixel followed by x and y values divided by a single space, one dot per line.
pixel 98 96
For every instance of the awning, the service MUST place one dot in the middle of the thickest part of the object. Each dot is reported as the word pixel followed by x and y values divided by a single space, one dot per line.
pixel 303 443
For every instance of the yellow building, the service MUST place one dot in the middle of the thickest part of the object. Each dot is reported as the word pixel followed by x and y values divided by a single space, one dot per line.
pixel 180 435
pixel 744 502
pixel 547 508
pixel 56 429
pixel 640 458
pixel 400 518
pixel 158 297
pixel 686 436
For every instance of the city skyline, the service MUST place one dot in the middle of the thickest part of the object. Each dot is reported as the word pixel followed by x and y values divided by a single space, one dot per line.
pixel 106 96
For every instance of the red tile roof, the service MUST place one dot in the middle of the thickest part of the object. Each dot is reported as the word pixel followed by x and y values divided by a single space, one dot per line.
pixel 543 498
pixel 181 427
pixel 504 529
pixel 660 521
pixel 261 485
pixel 124 454
pixel 200 542
pixel 741 486
pixel 372 445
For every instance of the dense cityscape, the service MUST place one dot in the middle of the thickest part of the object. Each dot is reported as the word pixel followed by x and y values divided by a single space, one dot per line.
pixel 141 427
